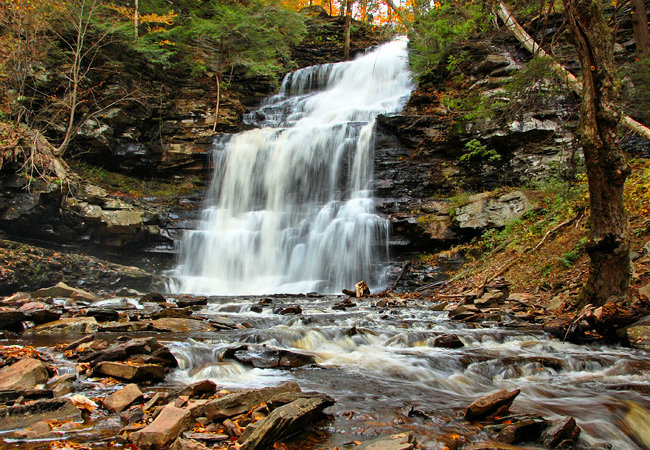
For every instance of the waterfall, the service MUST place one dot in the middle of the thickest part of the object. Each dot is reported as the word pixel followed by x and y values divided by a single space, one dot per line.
pixel 289 208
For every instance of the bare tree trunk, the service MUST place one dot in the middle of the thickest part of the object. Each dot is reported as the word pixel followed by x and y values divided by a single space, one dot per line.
pixel 640 26
pixel 609 246
pixel 136 18
pixel 216 109
pixel 75 71
pixel 348 20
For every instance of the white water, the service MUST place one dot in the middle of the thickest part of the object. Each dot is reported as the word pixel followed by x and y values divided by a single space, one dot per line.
pixel 290 206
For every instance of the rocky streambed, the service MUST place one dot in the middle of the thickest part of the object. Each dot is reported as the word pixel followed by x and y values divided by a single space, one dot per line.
pixel 307 371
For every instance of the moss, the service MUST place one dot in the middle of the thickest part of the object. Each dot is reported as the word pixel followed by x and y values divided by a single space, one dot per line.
pixel 128 186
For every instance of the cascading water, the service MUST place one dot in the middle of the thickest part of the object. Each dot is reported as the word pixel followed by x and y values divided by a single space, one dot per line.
pixel 290 206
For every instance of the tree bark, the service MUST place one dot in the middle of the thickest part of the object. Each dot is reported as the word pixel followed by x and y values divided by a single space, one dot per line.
pixel 348 20
pixel 640 27
pixel 136 19
pixel 609 246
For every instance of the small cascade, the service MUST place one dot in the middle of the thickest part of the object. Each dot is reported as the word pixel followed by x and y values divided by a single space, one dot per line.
pixel 290 207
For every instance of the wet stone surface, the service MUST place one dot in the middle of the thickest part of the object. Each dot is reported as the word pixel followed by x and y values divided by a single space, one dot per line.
pixel 377 368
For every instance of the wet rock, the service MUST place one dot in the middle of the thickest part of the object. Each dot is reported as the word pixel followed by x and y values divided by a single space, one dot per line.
pixel 560 430
pixel 199 389
pixel 22 416
pixel 172 313
pixel 17 299
pixel 153 297
pixel 463 312
pixel 40 313
pixel 10 317
pixel 402 441
pixel 210 438
pixel 169 424
pixel 438 306
pixel 349 293
pixel 268 358
pixel 294 309
pixel 489 404
pixel 492 446
pixel 122 399
pixel 482 211
pixel 71 325
pixel 187 302
pixel 284 421
pixel 103 314
pixel 180 325
pixel 63 290
pixel 62 384
pixel 448 341
pixel 145 372
pixel 24 374
pixel 522 431
pixel 9 396
pixel 188 444
pixel 361 289
pixel 344 305
pixel 638 334
pixel 239 402
pixel 132 415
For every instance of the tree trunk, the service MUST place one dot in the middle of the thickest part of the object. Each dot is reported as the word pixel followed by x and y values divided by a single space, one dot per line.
pixel 136 19
pixel 640 25
pixel 348 19
pixel 609 246
pixel 216 109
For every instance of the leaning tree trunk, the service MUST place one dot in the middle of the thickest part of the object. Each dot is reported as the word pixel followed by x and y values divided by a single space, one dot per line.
pixel 609 246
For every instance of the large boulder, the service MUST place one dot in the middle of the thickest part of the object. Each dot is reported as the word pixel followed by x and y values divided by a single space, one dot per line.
pixel 285 421
pixel 24 374
pixel 120 400
pixel 242 401
pixel 490 404
pixel 484 211
pixel 164 430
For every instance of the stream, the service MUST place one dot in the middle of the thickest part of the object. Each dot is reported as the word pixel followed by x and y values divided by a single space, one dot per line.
pixel 381 366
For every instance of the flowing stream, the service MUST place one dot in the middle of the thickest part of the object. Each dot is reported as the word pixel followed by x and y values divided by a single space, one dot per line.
pixel 289 208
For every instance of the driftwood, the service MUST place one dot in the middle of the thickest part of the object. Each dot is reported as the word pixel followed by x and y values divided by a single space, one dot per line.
pixel 532 46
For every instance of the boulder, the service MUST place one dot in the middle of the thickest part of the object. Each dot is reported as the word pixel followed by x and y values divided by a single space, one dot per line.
pixel 188 444
pixel 164 430
pixel 522 431
pixel 143 372
pixel 268 358
pixel 483 211
pixel 63 290
pixel 184 302
pixel 40 313
pixel 22 416
pixel 564 429
pixel 70 325
pixel 448 341
pixel 285 421
pixel 153 297
pixel 122 222
pixel 122 399
pixel 10 317
pixel 489 404
pixel 180 325
pixel 24 374
pixel 242 401
pixel 293 309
